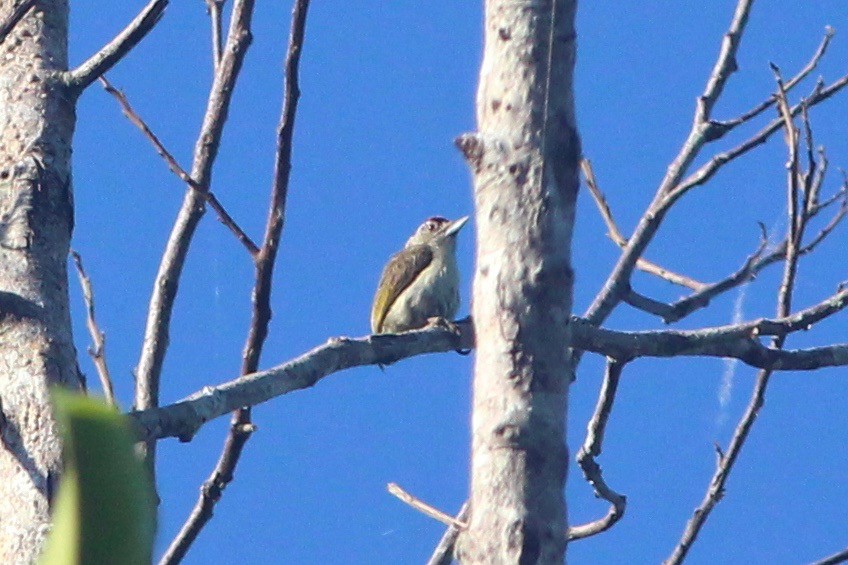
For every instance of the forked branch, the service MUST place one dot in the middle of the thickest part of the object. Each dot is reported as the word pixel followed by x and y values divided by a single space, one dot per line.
pixel 591 449
pixel 241 426
pixel 798 215
pixel 223 216
pixel 97 351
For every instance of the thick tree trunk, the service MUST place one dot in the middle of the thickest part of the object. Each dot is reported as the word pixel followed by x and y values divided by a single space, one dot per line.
pixel 36 219
pixel 525 161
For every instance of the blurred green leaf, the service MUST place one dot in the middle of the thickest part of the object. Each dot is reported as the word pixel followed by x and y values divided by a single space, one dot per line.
pixel 104 511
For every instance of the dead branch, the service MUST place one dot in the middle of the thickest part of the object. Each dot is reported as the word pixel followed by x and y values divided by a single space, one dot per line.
pixel 591 448
pixel 223 216
pixel 443 554
pixel 434 513
pixel 756 262
pixel 740 341
pixel 726 126
pixel 709 169
pixel 241 427
pixel 165 287
pixel 99 63
pixel 615 234
pixel 97 351
pixel 797 220
pixel 214 8
pixel 701 298
pixel 838 557
pixel 617 284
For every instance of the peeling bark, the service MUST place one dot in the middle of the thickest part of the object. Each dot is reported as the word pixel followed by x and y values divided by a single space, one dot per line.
pixel 525 160
pixel 36 219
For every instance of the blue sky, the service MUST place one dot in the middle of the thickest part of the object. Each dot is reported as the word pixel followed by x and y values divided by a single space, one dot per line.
pixel 386 87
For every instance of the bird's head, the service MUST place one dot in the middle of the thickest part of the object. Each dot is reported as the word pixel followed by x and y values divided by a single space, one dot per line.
pixel 436 230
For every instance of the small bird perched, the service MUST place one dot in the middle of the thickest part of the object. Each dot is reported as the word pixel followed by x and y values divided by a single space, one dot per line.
pixel 421 281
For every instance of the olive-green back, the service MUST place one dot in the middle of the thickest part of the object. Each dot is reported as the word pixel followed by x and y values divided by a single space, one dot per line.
pixel 399 273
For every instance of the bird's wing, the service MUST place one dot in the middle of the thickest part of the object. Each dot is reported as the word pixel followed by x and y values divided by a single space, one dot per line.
pixel 401 270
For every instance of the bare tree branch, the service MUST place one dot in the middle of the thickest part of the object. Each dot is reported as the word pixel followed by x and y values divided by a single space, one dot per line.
pixel 839 557
pixel 215 7
pixel 701 298
pixel 99 63
pixel 223 216
pixel 434 513
pixel 241 427
pixel 591 448
pixel 617 238
pixel 617 284
pixel 161 306
pixel 97 351
pixel 710 168
pixel 755 263
pixel 184 418
pixel 726 126
pixel 672 187
pixel 797 219
pixel 443 554
pixel 739 341
pixel 19 11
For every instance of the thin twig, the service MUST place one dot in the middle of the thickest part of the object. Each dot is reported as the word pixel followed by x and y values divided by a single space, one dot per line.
pixel 223 216
pixel 839 557
pixel 727 125
pixel 157 328
pixel 214 7
pixel 617 238
pixel 702 298
pixel 18 13
pixel 443 554
pixel 591 448
pixel 98 349
pixel 753 265
pixel 816 207
pixel 797 219
pixel 710 168
pixel 434 513
pixel 241 427
pixel 831 225
pixel 99 63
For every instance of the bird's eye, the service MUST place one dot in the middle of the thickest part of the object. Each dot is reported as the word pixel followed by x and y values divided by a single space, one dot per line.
pixel 431 226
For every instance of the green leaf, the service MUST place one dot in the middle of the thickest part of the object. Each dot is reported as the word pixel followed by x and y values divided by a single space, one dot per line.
pixel 105 510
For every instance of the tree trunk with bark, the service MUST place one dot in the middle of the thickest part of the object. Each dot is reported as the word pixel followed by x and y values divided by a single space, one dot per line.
pixel 525 160
pixel 36 219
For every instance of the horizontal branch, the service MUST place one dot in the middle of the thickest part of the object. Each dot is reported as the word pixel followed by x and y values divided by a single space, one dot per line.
pixel 184 418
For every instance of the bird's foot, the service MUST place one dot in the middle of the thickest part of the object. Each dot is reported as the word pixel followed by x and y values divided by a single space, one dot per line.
pixel 444 323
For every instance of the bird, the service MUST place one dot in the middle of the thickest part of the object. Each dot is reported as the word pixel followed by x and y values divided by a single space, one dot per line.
pixel 421 281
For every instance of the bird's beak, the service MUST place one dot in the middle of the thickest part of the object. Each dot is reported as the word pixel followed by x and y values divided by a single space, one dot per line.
pixel 455 226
